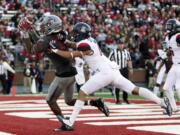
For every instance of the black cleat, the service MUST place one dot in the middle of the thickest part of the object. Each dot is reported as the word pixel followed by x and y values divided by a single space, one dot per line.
pixel 168 107
pixel 102 107
pixel 64 127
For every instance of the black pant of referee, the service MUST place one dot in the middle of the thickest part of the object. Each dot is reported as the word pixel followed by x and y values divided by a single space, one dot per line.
pixel 125 73
pixel 3 83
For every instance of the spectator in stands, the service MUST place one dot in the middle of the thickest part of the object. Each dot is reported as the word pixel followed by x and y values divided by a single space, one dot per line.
pixel 138 21
pixel 40 77
pixel 27 77
pixel 10 78
pixel 4 68
pixel 150 72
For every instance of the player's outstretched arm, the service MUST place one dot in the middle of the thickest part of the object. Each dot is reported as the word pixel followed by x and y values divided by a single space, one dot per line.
pixel 29 34
pixel 72 54
pixel 70 44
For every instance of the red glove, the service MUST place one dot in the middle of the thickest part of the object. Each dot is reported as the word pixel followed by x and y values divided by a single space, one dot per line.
pixel 25 23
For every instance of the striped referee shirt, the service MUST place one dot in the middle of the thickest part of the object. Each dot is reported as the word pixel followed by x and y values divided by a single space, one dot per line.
pixel 121 57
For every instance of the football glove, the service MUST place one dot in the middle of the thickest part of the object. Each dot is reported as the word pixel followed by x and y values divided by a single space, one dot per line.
pixel 62 35
pixel 25 24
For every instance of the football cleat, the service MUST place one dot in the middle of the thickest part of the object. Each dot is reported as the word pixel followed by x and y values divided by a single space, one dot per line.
pixel 64 127
pixel 173 112
pixel 167 107
pixel 102 107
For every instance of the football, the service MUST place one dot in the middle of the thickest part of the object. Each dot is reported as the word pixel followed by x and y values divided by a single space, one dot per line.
pixel 26 23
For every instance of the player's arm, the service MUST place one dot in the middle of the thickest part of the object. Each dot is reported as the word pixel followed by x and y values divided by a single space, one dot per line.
pixel 30 36
pixel 70 44
pixel 62 36
pixel 82 49
pixel 72 54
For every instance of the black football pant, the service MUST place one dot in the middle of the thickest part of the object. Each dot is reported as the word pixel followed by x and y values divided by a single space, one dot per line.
pixel 3 83
pixel 124 73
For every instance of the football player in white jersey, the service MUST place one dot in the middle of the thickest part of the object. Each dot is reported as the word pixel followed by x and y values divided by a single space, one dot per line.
pixel 173 77
pixel 107 72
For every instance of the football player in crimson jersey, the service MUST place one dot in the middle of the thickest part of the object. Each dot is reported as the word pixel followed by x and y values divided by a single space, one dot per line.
pixel 173 77
pixel 107 72
pixel 54 37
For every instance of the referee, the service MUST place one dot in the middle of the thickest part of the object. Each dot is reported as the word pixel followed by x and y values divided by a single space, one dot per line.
pixel 122 57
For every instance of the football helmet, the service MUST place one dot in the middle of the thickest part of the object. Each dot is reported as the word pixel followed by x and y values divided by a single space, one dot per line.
pixel 50 24
pixel 172 25
pixel 81 31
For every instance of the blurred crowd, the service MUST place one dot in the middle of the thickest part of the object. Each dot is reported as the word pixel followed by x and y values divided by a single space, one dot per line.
pixel 139 23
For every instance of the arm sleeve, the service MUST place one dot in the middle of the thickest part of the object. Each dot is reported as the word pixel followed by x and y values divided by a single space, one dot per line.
pixel 8 67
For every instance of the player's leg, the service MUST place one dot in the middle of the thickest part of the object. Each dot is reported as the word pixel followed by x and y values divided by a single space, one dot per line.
pixel 169 86
pixel 178 87
pixel 129 87
pixel 54 91
pixel 96 82
pixel 69 91
pixel 159 80
pixel 178 84
pixel 117 95
pixel 68 96
pixel 178 93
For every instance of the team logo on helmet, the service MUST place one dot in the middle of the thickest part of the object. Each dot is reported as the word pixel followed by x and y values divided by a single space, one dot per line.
pixel 50 21
pixel 83 29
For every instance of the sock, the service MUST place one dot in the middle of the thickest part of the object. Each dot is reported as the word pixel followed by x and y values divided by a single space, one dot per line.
pixel 156 90
pixel 170 96
pixel 59 117
pixel 76 110
pixel 143 92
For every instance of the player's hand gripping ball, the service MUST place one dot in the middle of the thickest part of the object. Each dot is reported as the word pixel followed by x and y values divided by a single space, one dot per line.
pixel 26 23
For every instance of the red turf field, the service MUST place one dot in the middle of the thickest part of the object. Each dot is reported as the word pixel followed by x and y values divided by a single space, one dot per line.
pixel 23 115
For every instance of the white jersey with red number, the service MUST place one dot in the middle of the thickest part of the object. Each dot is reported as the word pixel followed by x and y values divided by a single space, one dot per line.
pixel 107 72
pixel 97 61
pixel 175 47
